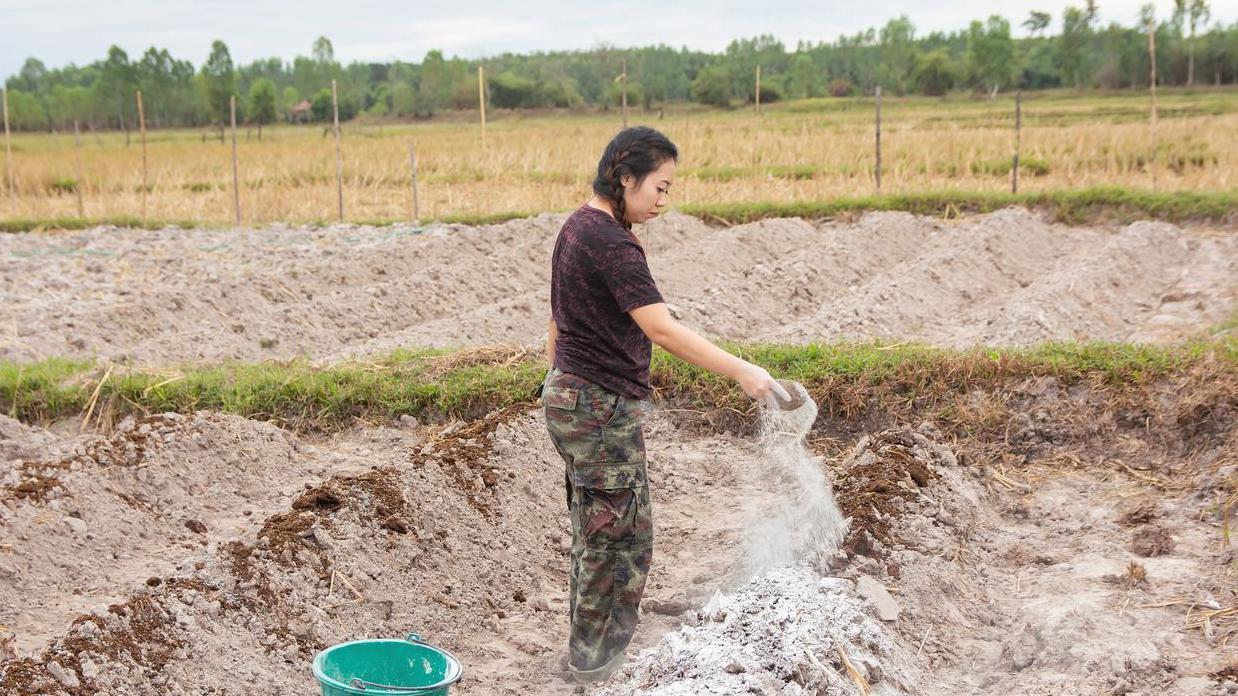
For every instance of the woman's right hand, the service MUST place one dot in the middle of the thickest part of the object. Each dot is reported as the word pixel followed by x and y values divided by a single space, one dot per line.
pixel 758 384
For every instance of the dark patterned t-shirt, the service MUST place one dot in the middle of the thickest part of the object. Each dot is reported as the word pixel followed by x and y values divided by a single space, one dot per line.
pixel 598 274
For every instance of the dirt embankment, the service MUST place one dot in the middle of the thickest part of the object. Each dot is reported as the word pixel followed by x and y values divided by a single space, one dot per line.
pixel 167 296
pixel 1014 531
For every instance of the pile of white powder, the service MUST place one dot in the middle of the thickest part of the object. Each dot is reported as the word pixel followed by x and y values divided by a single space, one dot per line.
pixel 787 630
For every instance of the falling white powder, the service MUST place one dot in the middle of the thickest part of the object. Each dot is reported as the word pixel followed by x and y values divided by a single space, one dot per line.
pixel 786 630
pixel 792 515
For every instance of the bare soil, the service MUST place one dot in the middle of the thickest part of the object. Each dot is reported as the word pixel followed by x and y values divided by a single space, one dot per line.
pixel 168 296
pixel 1034 538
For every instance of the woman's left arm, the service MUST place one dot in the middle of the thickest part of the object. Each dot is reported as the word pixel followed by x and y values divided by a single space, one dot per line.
pixel 551 335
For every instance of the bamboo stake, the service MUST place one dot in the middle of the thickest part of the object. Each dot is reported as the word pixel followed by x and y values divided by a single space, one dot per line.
pixel 758 94
pixel 8 148
pixel 877 169
pixel 1018 138
pixel 412 161
pixel 77 157
pixel 625 93
pixel 142 129
pixel 1152 91
pixel 481 100
pixel 339 160
pixel 236 178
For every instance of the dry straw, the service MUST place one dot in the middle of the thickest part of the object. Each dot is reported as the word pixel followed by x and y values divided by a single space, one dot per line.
pixel 792 152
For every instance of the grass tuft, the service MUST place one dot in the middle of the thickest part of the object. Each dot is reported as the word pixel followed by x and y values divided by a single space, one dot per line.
pixel 467 384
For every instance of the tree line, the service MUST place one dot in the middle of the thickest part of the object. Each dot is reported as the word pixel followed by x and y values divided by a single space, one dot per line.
pixel 1191 49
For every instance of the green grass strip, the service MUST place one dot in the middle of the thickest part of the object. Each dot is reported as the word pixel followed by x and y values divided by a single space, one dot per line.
pixel 469 383
pixel 1072 206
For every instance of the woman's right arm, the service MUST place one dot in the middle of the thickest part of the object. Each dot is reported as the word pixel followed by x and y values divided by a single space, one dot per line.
pixel 687 345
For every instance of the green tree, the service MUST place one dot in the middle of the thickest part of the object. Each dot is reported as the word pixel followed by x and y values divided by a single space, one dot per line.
pixel 803 80
pixel 219 79
pixel 323 51
pixel 898 55
pixel 322 110
pixel 262 103
pixel 1037 22
pixel 712 86
pixel 1199 13
pixel 509 91
pixel 1072 46
pixel 68 104
pixel 436 84
pixel 934 73
pixel 115 86
pixel 991 51
pixel 403 99
pixel 288 99
pixel 25 112
pixel 320 107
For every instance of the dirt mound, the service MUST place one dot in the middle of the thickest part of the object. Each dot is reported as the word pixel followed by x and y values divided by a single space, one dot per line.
pixel 166 296
pixel 998 555
pixel 460 534
pixel 86 518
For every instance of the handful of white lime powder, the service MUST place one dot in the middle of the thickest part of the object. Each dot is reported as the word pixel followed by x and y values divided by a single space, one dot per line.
pixel 792 515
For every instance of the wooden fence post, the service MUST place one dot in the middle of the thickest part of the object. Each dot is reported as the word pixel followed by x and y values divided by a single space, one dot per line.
pixel 1152 90
pixel 1018 140
pixel 8 148
pixel 625 93
pixel 142 128
pixel 412 161
pixel 236 178
pixel 481 100
pixel 758 94
pixel 77 157
pixel 877 169
pixel 339 159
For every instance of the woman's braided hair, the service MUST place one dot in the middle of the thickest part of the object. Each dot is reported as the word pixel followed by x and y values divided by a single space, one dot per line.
pixel 635 151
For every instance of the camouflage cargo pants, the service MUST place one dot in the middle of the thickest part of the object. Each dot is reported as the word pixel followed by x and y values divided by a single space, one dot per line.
pixel 599 435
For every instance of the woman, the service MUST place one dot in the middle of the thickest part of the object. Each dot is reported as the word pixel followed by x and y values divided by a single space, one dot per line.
pixel 605 312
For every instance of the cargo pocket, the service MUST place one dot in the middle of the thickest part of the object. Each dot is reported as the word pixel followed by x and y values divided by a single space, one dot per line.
pixel 613 504
pixel 559 406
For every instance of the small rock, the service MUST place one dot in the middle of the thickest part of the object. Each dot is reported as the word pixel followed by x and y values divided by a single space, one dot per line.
pixel 65 676
pixel 89 669
pixel 670 607
pixel 869 669
pixel 77 525
pixel 195 526
pixel 876 593
pixel 88 629
pixel 396 525
pixel 490 477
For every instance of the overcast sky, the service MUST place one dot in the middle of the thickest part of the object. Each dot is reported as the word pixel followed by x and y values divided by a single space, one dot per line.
pixel 60 32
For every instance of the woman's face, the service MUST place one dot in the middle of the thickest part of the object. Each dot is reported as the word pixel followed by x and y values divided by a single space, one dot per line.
pixel 643 203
